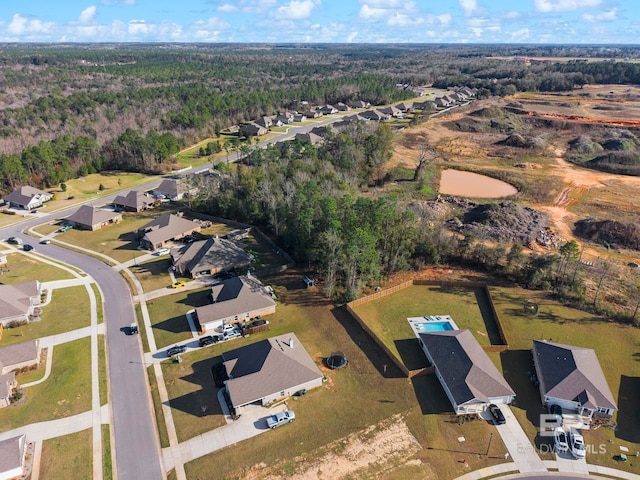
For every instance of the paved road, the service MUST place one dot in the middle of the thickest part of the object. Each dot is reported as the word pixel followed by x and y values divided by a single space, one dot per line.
pixel 137 451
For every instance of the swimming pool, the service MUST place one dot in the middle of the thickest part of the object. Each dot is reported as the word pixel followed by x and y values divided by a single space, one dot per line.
pixel 434 326
pixel 432 323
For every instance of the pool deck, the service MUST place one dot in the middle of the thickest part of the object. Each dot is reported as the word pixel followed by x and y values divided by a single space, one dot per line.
pixel 416 322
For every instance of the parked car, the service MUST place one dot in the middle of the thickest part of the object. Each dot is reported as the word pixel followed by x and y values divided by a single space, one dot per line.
pixel 14 241
pixel 207 340
pixel 65 228
pixel 27 248
pixel 178 284
pixel 576 444
pixel 229 334
pixel 560 440
pixel 556 411
pixel 177 350
pixel 280 418
pixel 45 241
pixel 162 251
pixel 496 413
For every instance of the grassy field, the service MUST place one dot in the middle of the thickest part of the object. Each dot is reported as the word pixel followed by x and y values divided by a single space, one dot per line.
pixel 387 317
pixel 616 347
pixel 365 386
pixel 168 315
pixel 67 457
pixel 66 392
pixel 69 310
pixel 21 268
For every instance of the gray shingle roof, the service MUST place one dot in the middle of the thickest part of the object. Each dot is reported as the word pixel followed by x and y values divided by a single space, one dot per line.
pixel 89 216
pixel 267 367
pixel 12 453
pixel 465 367
pixel 18 353
pixel 572 373
pixel 134 199
pixel 24 194
pixel 167 226
pixel 16 299
pixel 210 254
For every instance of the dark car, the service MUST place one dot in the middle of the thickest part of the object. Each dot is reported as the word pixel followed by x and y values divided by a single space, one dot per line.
pixel 556 412
pixel 178 349
pixel 14 240
pixel 27 247
pixel 496 413
pixel 208 340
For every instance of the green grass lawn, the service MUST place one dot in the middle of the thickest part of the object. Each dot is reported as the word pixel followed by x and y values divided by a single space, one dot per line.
pixel 68 456
pixel 153 274
pixel 387 316
pixel 69 310
pixel 102 371
pixel 21 268
pixel 616 347
pixel 168 315
pixel 107 466
pixel 66 392
pixel 157 407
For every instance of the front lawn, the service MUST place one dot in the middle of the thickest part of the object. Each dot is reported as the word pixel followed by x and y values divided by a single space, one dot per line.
pixel 153 274
pixel 68 456
pixel 21 268
pixel 66 392
pixel 68 310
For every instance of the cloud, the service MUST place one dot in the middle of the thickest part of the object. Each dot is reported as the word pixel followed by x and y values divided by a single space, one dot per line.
pixel 512 14
pixel 87 15
pixel 468 6
pixel 351 37
pixel 390 10
pixel 296 9
pixel 20 26
pixel 607 16
pixel 227 8
pixel 564 5
pixel 520 35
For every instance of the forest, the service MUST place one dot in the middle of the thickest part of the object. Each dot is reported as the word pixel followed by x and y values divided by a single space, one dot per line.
pixel 67 110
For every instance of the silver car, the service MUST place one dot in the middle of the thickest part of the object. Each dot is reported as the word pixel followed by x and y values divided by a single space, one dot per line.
pixel 280 418
pixel 560 440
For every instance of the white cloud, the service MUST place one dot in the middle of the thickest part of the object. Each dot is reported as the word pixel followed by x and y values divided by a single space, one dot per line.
pixel 469 6
pixel 20 26
pixel 607 16
pixel 351 37
pixel 87 15
pixel 227 8
pixel 520 35
pixel 390 10
pixel 296 9
pixel 564 5
pixel 512 14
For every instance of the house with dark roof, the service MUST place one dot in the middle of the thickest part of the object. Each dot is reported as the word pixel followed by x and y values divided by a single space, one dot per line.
pixel 13 452
pixel 312 113
pixel 328 110
pixel 174 189
pixel 310 137
pixel 468 376
pixel 235 300
pixel 19 301
pixel 299 117
pixel 253 130
pixel 392 111
pixel 165 228
pixel 571 377
pixel 375 115
pixel 266 371
pixel 360 104
pixel 284 118
pixel 19 355
pixel 265 122
pixel 134 201
pixel 27 198
pixel 405 107
pixel 342 107
pixel 92 218
pixel 208 257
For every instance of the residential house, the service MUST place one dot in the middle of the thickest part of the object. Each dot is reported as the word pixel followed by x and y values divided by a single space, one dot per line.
pixel 310 137
pixel 92 218
pixel 572 378
pixel 27 198
pixel 265 122
pixel 458 97
pixel 269 370
pixel 467 375
pixel 469 92
pixel 19 302
pixel 13 452
pixel 441 102
pixel 165 228
pixel 235 300
pixel 253 130
pixel 134 201
pixel 19 355
pixel 375 115
pixel 427 105
pixel 328 110
pixel 356 117
pixel 3 258
pixel 284 118
pixel 360 104
pixel 8 384
pixel 392 111
pixel 405 107
pixel 312 113
pixel 208 257
pixel 299 117
pixel 342 107
pixel 174 189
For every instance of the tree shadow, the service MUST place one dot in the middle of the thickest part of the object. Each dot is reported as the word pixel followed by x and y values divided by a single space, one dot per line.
pixel 204 401
pixel 378 357
pixel 628 414
pixel 411 354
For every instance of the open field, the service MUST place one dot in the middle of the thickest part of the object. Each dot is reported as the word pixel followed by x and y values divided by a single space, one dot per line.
pixel 370 384
pixel 22 268
pixel 69 310
pixel 66 392
pixel 67 457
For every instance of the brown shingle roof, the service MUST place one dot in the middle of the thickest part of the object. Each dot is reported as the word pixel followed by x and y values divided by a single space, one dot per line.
pixel 24 194
pixel 572 373
pixel 89 216
pixel 267 367
pixel 210 254
pixel 167 226
pixel 134 199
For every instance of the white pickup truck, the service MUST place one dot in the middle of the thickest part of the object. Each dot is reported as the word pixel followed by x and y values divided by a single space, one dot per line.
pixel 280 418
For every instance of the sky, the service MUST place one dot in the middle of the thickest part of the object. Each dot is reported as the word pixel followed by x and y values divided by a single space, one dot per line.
pixel 319 21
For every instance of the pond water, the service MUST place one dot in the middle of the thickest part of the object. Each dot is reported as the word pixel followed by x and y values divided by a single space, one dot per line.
pixel 474 185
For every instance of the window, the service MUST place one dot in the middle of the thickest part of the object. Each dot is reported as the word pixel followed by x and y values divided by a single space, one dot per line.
pixel 603 410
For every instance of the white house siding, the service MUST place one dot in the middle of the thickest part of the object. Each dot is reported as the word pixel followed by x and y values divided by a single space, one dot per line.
pixel 18 318
pixel 17 366
pixel 211 326
pixel 284 393
pixel 10 474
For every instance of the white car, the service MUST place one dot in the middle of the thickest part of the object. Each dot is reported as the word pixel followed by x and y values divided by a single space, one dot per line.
pixel 162 251
pixel 576 444
pixel 560 440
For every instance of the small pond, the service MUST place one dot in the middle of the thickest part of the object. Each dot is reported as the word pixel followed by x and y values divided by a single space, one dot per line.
pixel 474 185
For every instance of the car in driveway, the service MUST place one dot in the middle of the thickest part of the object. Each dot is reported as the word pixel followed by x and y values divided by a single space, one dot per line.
pixel 280 418
pixel 576 444
pixel 27 248
pixel 162 251
pixel 208 340
pixel 178 284
pixel 560 440
pixel 176 350
pixel 229 334
pixel 496 414
pixel 45 241
pixel 555 412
